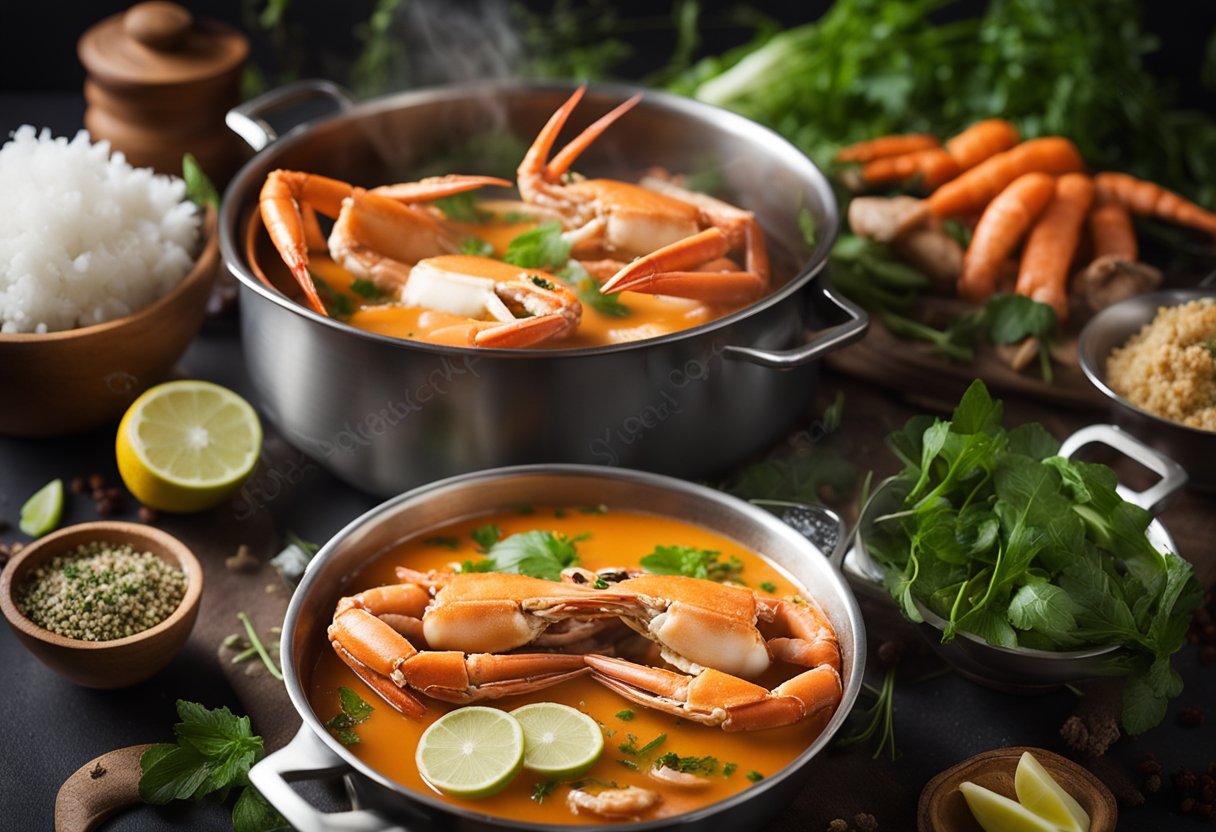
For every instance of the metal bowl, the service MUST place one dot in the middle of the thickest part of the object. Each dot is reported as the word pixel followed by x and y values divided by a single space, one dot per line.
pixel 314 752
pixel 1023 669
pixel 1195 449
pixel 388 414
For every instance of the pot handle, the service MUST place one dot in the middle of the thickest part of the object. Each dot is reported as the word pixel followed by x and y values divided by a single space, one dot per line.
pixel 823 342
pixel 246 119
pixel 1172 474
pixel 823 527
pixel 304 758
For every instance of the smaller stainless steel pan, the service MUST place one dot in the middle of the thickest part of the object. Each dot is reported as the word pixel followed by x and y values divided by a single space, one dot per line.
pixel 386 805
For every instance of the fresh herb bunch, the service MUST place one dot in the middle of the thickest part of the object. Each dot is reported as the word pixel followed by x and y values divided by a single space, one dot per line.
pixel 212 755
pixel 1002 538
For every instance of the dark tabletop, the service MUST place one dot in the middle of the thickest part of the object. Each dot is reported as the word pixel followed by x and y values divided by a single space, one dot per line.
pixel 49 727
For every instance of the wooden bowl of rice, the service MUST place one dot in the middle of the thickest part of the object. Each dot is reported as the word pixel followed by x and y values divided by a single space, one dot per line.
pixel 58 383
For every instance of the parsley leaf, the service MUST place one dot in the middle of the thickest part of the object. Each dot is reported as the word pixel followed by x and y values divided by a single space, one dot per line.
pixel 542 247
pixel 692 563
pixel 535 553
pixel 461 208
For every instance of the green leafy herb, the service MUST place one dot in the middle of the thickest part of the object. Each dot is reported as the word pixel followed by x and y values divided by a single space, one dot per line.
pixel 542 247
pixel 294 557
pixel 701 766
pixel 442 541
pixel 367 290
pixel 768 586
pixel 1002 538
pixel 1211 348
pixel 461 208
pixel 630 745
pixel 729 769
pixel 692 563
pixel 547 285
pixel 213 753
pixel 878 719
pixel 629 764
pixel 536 553
pixel 336 304
pixel 486 536
pixel 199 188
pixel 588 291
pixel 476 247
pixel 543 789
pixel 755 776
pixel 625 715
pixel 354 711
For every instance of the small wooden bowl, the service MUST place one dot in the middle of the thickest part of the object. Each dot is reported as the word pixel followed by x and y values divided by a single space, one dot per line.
pixel 58 383
pixel 942 807
pixel 105 664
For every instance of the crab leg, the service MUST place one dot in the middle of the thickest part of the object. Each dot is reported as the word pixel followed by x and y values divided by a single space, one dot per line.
pixel 718 699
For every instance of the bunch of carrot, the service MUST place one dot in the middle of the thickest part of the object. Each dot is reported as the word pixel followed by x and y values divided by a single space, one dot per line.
pixel 1037 190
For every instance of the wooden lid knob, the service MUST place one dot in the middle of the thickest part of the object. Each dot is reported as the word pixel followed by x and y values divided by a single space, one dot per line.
pixel 158 24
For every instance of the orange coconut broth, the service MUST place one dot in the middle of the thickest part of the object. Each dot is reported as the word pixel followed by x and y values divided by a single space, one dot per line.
pixel 649 315
pixel 388 739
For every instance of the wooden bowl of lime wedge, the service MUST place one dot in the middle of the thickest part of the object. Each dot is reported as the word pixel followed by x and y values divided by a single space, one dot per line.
pixel 1016 789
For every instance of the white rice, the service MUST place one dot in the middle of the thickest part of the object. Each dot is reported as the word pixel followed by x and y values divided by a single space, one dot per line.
pixel 84 237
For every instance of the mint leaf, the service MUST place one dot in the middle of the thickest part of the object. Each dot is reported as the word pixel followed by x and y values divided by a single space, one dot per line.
pixel 1014 317
pixel 542 247
pixel 253 813
pixel 170 772
pixel 214 752
pixel 353 705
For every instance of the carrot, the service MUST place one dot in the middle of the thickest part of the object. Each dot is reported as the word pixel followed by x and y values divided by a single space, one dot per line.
pixel 932 167
pixel 1110 226
pixel 885 146
pixel 1151 200
pixel 975 188
pixel 981 141
pixel 1049 250
pixel 1000 229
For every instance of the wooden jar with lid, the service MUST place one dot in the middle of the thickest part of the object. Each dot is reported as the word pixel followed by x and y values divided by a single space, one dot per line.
pixel 159 84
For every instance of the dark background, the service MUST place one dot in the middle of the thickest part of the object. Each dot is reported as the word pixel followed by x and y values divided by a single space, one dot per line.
pixel 37 39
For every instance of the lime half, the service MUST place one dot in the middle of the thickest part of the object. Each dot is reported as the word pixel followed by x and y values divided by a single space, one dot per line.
pixel 187 445
pixel 560 742
pixel 41 512
pixel 471 752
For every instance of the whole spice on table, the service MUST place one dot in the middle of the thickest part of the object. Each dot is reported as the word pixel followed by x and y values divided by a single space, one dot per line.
pixel 102 591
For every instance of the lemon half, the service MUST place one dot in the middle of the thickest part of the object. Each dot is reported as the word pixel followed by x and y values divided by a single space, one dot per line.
pixel 186 446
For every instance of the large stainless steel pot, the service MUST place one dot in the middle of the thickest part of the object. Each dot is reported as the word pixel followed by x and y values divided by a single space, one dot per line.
pixel 387 414
pixel 386 805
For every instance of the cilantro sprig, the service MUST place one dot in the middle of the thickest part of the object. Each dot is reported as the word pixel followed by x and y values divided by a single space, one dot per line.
pixel 212 755
pixel 543 247
pixel 540 554
pixel 1003 538
pixel 692 563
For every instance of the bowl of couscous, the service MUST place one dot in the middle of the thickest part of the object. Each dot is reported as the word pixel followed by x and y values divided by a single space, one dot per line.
pixel 104 604
pixel 1154 357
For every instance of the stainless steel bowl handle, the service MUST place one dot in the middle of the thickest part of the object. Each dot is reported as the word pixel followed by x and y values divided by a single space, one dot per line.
pixel 304 758
pixel 1172 474
pixel 246 119
pixel 822 343
pixel 822 526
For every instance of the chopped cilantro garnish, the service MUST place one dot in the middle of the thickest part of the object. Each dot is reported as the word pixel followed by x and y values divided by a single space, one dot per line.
pixel 599 509
pixel 729 769
pixel 476 247
pixel 755 776
pixel 543 789
pixel 525 509
pixel 768 586
pixel 442 541
pixel 588 291
pixel 701 766
pixel 542 247
pixel 629 764
pixel 548 285
pixel 486 536
pixel 461 208
pixel 692 563
pixel 366 289
pixel 624 715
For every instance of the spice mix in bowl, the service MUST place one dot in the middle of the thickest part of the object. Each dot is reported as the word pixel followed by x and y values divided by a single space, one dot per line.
pixel 105 604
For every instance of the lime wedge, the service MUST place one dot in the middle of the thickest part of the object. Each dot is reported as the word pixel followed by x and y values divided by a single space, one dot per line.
pixel 997 813
pixel 41 513
pixel 560 742
pixel 471 752
pixel 1038 791
pixel 187 445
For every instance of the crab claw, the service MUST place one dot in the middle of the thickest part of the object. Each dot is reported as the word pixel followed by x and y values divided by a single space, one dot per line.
pixel 671 271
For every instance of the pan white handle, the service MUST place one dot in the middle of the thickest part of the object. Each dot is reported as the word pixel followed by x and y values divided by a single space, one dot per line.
pixel 306 758
pixel 246 120
pixel 1172 474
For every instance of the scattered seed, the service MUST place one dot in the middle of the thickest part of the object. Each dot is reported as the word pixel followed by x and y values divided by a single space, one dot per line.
pixel 147 514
